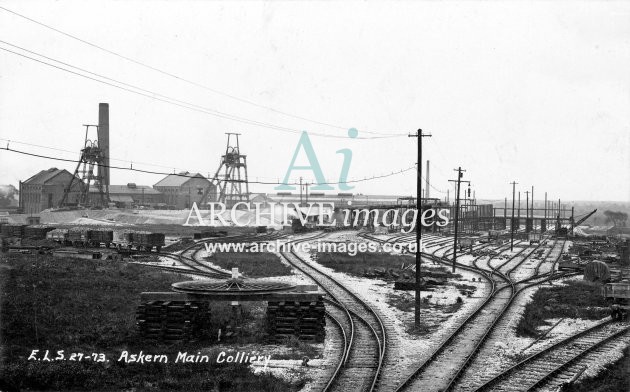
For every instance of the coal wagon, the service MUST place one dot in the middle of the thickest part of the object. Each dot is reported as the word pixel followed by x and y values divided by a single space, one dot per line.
pixel 99 237
pixel 142 240
pixel 618 294
pixel 37 232
pixel 12 230
pixel 209 234
pixel 78 237
pixel 59 236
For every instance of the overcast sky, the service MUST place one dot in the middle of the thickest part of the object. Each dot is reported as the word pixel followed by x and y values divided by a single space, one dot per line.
pixel 534 92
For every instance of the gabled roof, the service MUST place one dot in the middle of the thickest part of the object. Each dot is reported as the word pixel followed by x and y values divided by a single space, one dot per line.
pixel 44 176
pixel 178 179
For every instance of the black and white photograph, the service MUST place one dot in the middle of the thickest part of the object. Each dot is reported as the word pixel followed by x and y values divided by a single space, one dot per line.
pixel 314 196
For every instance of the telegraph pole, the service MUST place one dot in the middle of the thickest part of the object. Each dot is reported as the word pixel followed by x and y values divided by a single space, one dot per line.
pixel 300 191
pixel 533 219
pixel 526 204
pixel 526 210
pixel 419 135
pixel 545 213
pixel 458 182
pixel 532 202
pixel 512 220
pixel 518 210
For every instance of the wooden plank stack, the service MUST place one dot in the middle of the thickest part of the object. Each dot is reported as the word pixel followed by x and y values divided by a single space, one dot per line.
pixel 173 321
pixel 304 320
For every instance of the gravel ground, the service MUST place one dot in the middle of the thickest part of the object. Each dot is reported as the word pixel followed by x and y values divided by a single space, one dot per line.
pixel 412 349
pixel 408 350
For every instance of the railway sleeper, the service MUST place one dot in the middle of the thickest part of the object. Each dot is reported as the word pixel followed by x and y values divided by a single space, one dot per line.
pixel 173 320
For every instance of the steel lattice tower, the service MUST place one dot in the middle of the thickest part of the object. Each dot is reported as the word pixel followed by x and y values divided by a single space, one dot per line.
pixel 234 167
pixel 91 156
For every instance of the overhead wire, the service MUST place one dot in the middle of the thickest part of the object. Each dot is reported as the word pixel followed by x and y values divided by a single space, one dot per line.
pixel 187 105
pixel 140 63
pixel 434 188
pixel 74 152
pixel 183 104
pixel 374 177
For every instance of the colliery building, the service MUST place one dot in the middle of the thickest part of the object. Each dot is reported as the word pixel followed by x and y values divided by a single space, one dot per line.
pixel 183 189
pixel 126 196
pixel 45 190
pixel 176 191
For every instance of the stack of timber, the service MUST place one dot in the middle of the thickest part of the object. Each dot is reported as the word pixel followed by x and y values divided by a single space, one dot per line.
pixel 173 321
pixel 304 320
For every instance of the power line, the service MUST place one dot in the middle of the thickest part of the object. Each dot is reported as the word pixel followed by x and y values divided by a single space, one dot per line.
pixel 431 185
pixel 246 101
pixel 74 152
pixel 131 162
pixel 174 101
pixel 192 176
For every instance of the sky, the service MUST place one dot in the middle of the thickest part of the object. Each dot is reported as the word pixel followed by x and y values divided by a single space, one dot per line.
pixel 532 92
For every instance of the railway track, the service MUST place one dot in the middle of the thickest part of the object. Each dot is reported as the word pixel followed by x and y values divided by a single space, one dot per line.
pixel 548 368
pixel 508 288
pixel 455 354
pixel 482 348
pixel 190 259
pixel 545 370
pixel 366 343
pixel 345 344
pixel 457 329
pixel 362 356
pixel 180 270
pixel 445 364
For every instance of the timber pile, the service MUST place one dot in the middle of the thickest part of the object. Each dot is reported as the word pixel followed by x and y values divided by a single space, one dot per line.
pixel 173 321
pixel 304 320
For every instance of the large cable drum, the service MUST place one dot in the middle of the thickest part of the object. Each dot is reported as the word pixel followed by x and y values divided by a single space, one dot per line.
pixel 229 286
pixel 596 271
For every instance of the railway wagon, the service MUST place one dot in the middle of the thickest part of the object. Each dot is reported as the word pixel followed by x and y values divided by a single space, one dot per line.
pixel 58 235
pixel 100 236
pixel 85 237
pixel 466 243
pixel 37 232
pixel 618 294
pixel 534 238
pixel 209 234
pixel 77 237
pixel 142 240
pixel 12 230
pixel 77 254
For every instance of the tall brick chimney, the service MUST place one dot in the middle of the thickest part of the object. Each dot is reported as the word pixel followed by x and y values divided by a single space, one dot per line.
pixel 103 142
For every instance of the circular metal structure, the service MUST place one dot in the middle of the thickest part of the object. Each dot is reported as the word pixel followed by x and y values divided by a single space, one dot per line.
pixel 229 286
